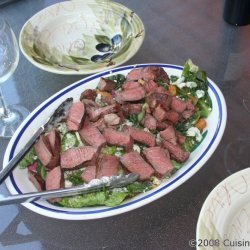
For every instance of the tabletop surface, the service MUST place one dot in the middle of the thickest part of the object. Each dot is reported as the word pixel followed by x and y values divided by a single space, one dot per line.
pixel 175 31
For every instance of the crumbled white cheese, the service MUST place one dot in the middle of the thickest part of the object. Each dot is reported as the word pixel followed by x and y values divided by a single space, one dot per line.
pixel 62 128
pixel 120 190
pixel 194 132
pixel 98 98
pixel 68 184
pixel 118 153
pixel 80 143
pixel 180 82
pixel 146 130
pixel 200 93
pixel 136 148
pixel 119 148
pixel 155 181
pixel 129 123
pixel 191 85
pixel 158 138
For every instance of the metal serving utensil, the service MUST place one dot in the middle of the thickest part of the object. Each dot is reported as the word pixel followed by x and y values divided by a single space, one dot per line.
pixel 112 182
pixel 56 117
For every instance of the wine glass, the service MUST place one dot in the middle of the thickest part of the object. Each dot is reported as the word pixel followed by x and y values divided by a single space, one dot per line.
pixel 10 116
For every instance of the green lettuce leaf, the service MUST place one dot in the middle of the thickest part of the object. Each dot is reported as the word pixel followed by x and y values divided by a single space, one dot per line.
pixel 29 158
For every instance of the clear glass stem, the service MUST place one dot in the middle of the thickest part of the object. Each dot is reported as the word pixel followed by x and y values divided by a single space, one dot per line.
pixel 6 111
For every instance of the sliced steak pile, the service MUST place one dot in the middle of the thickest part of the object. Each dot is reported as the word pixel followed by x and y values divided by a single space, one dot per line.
pixel 136 164
pixel 144 101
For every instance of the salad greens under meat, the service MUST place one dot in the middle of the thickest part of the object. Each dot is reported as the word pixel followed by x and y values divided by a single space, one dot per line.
pixel 146 122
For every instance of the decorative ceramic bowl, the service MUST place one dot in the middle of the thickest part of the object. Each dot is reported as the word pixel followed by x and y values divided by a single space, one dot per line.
pixel 81 37
pixel 224 221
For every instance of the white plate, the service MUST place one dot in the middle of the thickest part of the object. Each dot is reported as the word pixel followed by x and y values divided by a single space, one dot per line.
pixel 81 37
pixel 19 183
pixel 224 220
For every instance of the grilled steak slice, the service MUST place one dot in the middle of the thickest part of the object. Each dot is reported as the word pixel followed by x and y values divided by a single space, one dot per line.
pixel 130 95
pixel 134 75
pixel 37 180
pixel 136 164
pixel 106 84
pixel 155 73
pixel 173 116
pixel 75 156
pixel 131 108
pixel 100 124
pixel 94 114
pixel 118 138
pixel 149 122
pixel 130 85
pixel 169 135
pixel 187 113
pixel 91 134
pixel 88 94
pixel 55 147
pixel 75 116
pixel 43 150
pixel 176 152
pixel 160 114
pixel 181 138
pixel 162 125
pixel 178 105
pixel 141 136
pixel 107 165
pixel 159 160
pixel 150 86
pixel 54 179
pixel 154 99
pixel 89 173
pixel 112 119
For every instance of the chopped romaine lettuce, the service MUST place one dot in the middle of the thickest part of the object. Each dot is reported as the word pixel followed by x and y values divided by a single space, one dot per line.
pixel 107 198
pixel 75 178
pixel 70 140
pixel 87 200
pixel 28 159
pixel 115 198
pixel 119 79
pixel 113 150
pixel 40 169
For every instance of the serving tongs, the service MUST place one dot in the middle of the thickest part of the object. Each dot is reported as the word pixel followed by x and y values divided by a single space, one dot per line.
pixel 57 116
pixel 104 183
